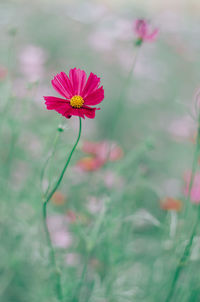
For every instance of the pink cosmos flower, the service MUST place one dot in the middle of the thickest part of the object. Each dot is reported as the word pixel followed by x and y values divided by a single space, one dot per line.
pixel 195 191
pixel 144 31
pixel 79 94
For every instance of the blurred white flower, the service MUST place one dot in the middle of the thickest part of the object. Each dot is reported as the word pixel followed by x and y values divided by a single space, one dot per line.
pixel 32 59
pixel 182 128
pixel 57 225
pixel 94 205
pixel 112 179
pixel 61 238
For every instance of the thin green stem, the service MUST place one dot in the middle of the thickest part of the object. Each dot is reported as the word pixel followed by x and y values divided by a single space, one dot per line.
pixel 66 165
pixel 120 102
pixel 49 157
pixel 52 253
pixel 187 249
pixel 183 259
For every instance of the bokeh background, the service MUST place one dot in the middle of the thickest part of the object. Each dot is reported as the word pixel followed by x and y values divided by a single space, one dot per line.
pixel 123 220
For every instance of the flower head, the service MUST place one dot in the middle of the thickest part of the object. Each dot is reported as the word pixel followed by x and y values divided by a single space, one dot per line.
pixel 79 94
pixel 144 31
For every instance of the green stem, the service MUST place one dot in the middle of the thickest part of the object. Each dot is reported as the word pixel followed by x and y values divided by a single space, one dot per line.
pixel 183 259
pixel 52 253
pixel 120 102
pixel 187 249
pixel 51 154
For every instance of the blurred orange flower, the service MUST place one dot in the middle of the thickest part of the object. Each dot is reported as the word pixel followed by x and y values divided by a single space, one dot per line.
pixel 58 198
pixel 171 204
pixel 89 163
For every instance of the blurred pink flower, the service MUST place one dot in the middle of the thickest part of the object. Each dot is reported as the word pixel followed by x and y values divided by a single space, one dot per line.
pixel 144 31
pixel 104 150
pixel 182 128
pixel 61 238
pixel 100 153
pixel 56 222
pixel 113 180
pixel 3 73
pixel 195 191
pixel 32 59
pixel 57 225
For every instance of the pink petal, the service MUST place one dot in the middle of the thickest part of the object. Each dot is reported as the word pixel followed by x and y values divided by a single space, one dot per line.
pixel 62 85
pixel 151 37
pixel 90 147
pixel 141 28
pixel 89 112
pixel 78 79
pixel 60 105
pixel 92 84
pixel 96 97
pixel 84 111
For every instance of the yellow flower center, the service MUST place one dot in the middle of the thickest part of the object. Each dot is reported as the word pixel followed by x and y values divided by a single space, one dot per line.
pixel 76 101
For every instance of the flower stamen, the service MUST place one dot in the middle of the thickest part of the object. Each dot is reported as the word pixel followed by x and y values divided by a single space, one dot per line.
pixel 76 101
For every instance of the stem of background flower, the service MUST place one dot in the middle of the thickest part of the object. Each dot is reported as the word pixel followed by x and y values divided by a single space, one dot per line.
pixel 173 224
pixel 187 249
pixel 183 259
pixel 53 258
pixel 121 104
